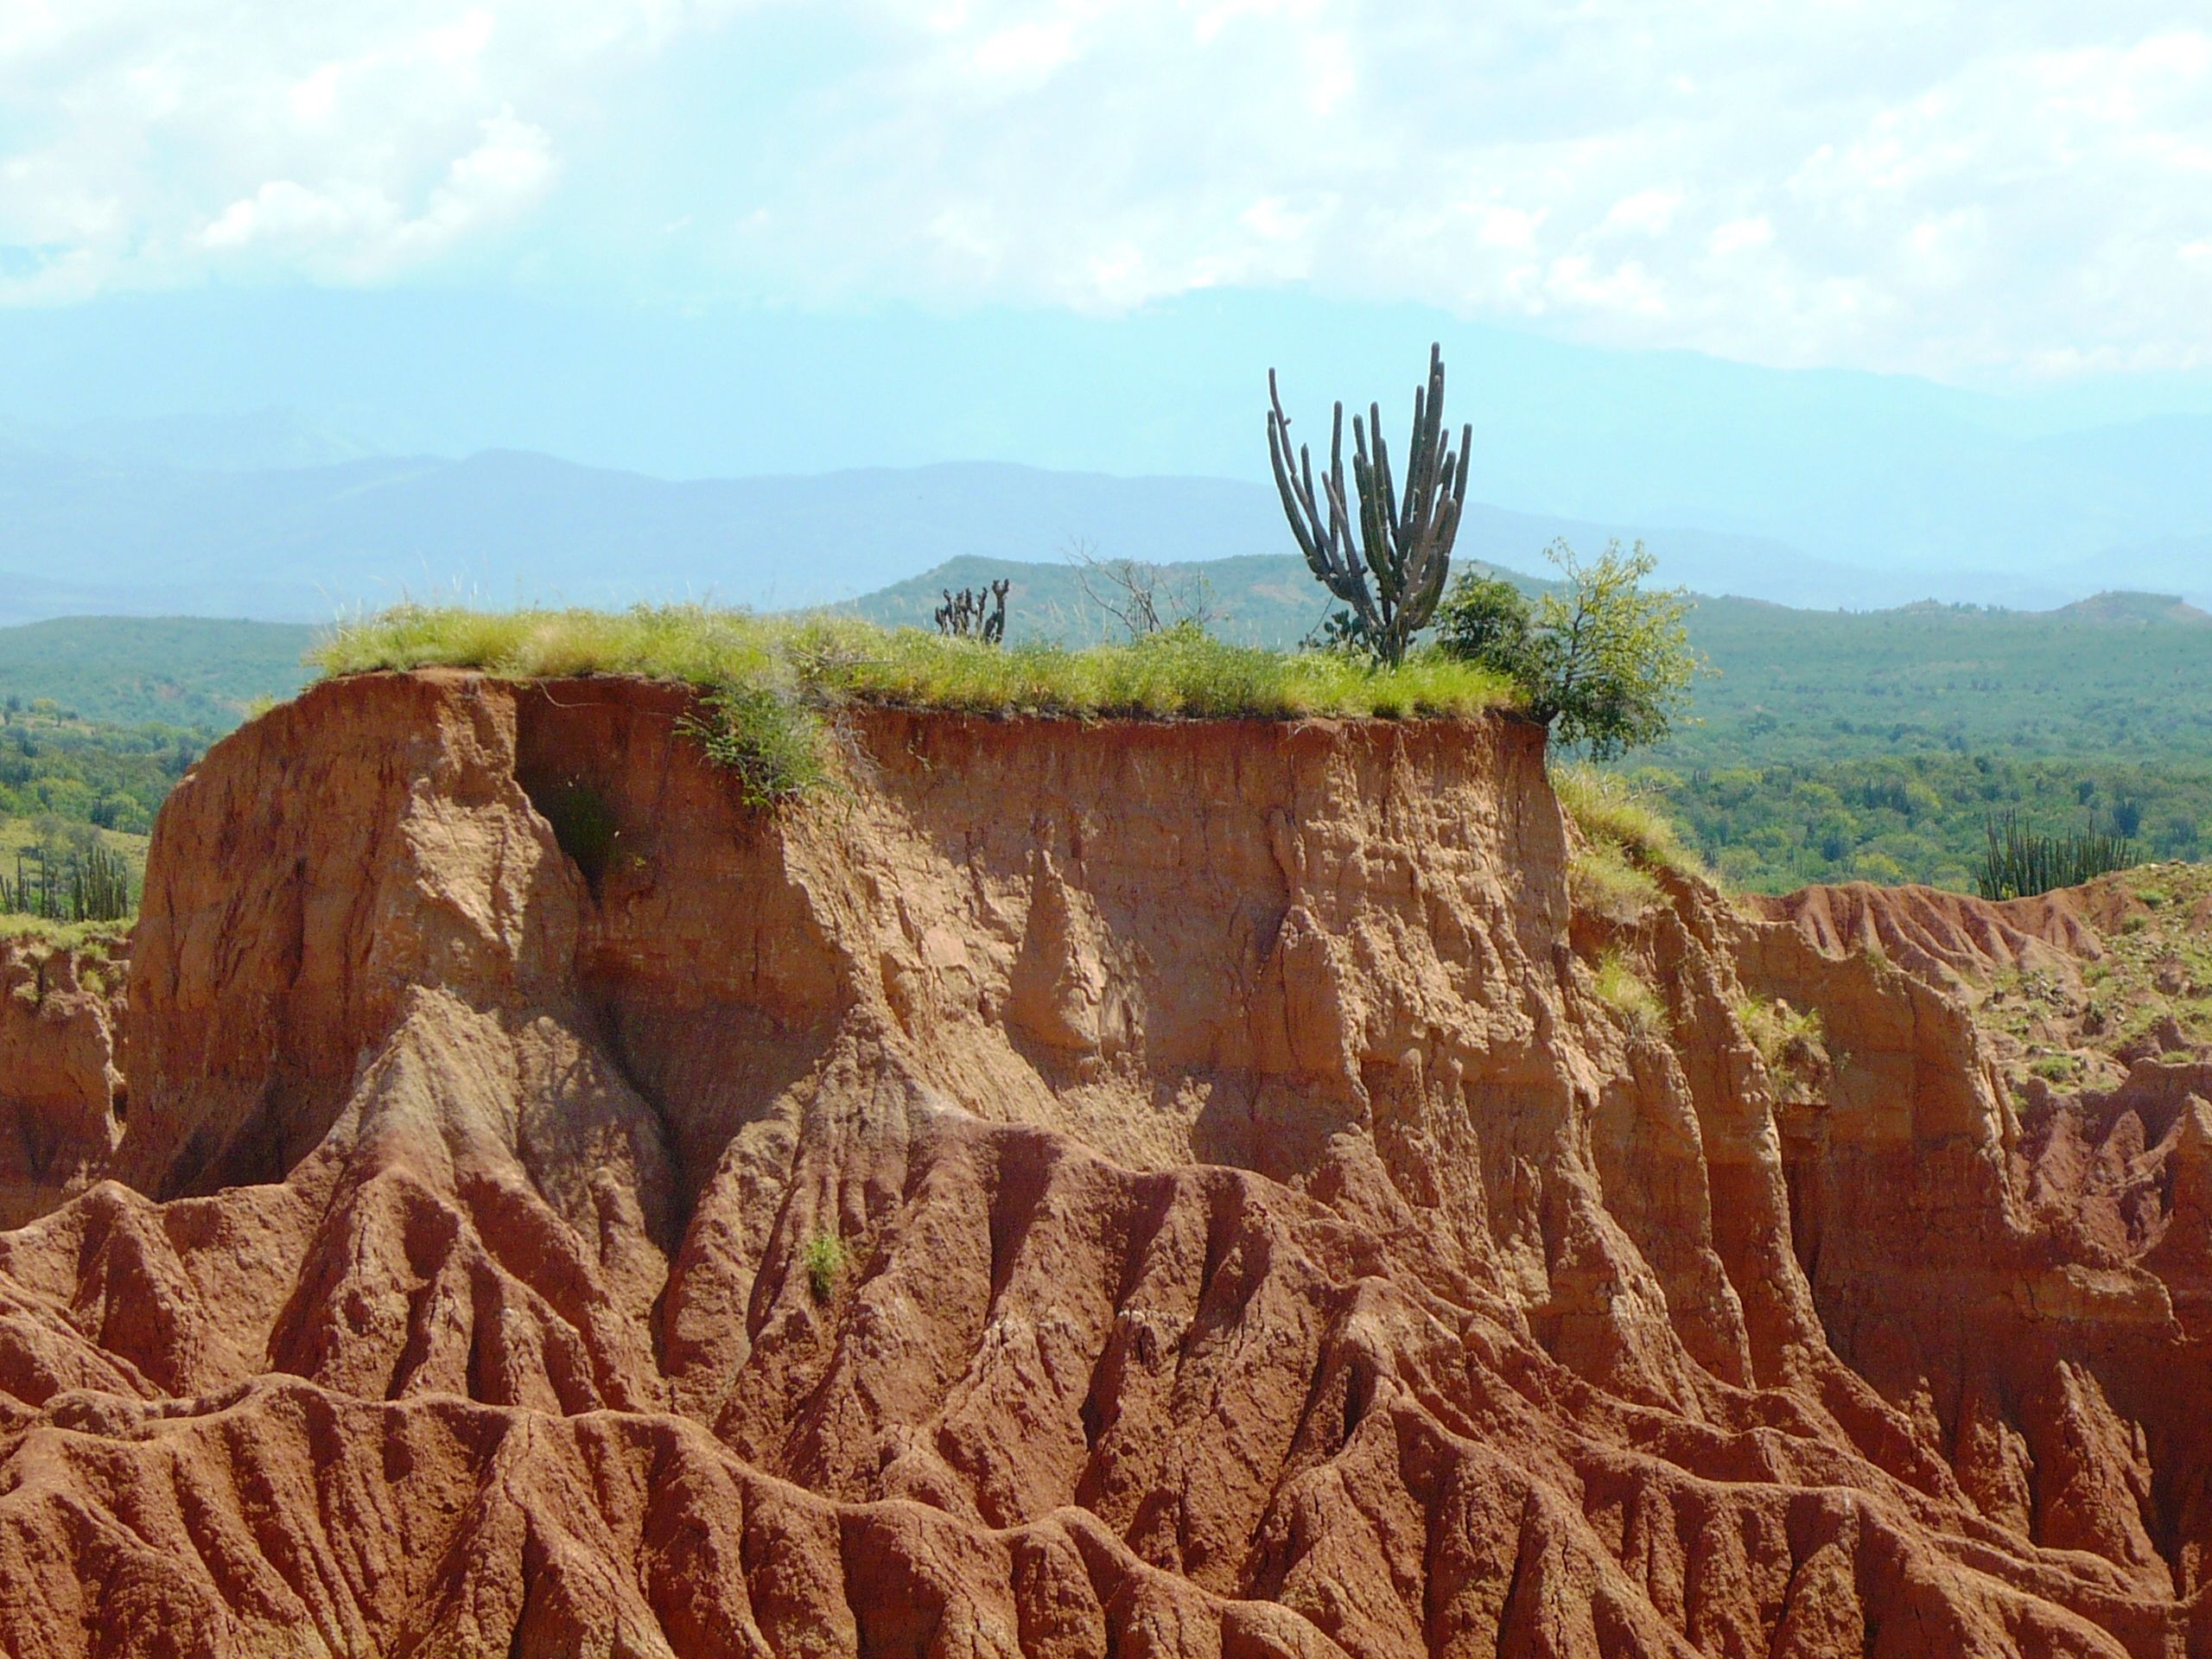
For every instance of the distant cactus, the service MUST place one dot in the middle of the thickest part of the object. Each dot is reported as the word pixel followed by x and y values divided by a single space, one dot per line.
pixel 91 885
pixel 100 885
pixel 1392 579
pixel 2020 863
pixel 971 613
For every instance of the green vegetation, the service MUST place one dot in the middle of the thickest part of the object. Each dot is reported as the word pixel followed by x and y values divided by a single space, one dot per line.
pixel 768 741
pixel 824 659
pixel 2125 677
pixel 1604 664
pixel 1602 882
pixel 2020 863
pixel 56 873
pixel 86 884
pixel 54 765
pixel 186 672
pixel 1789 1041
pixel 1917 817
pixel 771 680
pixel 1831 746
pixel 1618 983
pixel 825 1262
pixel 1610 810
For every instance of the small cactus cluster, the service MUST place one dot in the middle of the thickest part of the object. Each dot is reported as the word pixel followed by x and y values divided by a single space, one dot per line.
pixel 971 613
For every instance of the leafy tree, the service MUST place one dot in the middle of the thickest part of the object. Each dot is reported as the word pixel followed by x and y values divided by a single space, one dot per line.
pixel 1602 661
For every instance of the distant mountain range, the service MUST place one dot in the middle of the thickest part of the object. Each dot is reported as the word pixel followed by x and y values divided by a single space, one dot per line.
pixel 269 516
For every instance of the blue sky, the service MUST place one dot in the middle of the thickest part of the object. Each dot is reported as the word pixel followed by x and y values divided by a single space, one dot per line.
pixel 1057 231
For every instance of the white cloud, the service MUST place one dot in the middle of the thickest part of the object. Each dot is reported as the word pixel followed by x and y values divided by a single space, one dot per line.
pixel 1874 185
pixel 151 141
pixel 356 232
pixel 1983 186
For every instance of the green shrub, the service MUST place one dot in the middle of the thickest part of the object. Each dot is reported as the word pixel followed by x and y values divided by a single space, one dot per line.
pixel 1606 664
pixel 765 737
pixel 824 1260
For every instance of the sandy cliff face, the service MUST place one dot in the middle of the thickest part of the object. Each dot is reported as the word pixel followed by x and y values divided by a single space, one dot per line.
pixel 1155 1190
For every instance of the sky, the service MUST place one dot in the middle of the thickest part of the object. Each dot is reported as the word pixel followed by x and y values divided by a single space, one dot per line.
pixel 278 202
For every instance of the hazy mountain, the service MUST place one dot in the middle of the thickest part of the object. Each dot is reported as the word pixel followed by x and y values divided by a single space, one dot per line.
pixel 257 440
pixel 108 532
pixel 1887 472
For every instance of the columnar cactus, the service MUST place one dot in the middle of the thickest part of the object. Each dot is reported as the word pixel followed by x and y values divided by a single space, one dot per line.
pixel 1393 578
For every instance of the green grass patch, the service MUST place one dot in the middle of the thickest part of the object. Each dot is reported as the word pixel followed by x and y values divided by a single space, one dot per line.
pixel 1606 807
pixel 1789 1041
pixel 1180 673
pixel 99 940
pixel 1600 881
pixel 1611 875
pixel 1618 983
pixel 770 681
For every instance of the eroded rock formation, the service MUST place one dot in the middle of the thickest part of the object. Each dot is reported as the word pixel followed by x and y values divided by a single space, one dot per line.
pixel 1149 1188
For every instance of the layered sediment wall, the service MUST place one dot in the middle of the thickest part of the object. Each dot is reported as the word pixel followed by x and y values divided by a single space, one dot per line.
pixel 1162 1188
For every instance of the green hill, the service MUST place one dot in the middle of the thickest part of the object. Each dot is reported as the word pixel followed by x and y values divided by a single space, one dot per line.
pixel 128 671
pixel 1827 745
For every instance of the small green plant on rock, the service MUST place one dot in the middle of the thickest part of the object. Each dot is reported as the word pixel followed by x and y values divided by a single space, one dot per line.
pixel 2056 1068
pixel 766 737
pixel 824 1260
pixel 1619 984
pixel 1601 882
pixel 1789 1041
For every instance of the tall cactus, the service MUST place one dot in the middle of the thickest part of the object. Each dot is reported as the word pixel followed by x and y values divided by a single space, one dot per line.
pixel 1394 575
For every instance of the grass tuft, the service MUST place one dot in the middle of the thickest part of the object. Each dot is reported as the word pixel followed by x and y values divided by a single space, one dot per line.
pixel 1606 809
pixel 1790 1040
pixel 1619 984
pixel 1601 882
